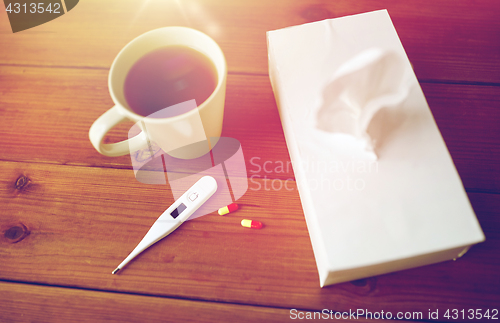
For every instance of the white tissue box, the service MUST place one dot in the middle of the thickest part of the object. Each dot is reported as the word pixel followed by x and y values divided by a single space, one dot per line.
pixel 366 216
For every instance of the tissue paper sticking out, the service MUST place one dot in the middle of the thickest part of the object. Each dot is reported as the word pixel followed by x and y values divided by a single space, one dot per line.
pixel 362 86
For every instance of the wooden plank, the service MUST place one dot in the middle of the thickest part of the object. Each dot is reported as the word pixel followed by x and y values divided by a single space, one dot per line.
pixel 28 303
pixel 71 225
pixel 445 40
pixel 47 112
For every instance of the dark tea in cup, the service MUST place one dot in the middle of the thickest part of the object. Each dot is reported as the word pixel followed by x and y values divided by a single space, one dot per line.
pixel 168 76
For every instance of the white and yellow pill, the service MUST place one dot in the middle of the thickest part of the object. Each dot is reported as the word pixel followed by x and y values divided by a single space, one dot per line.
pixel 228 209
pixel 251 224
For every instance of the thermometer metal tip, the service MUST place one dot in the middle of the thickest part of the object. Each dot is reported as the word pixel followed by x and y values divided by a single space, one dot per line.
pixel 115 271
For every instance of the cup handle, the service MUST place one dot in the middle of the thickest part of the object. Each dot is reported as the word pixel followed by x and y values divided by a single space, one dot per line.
pixel 103 125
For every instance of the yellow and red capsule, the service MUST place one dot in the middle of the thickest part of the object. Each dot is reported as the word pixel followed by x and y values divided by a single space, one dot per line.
pixel 228 209
pixel 251 224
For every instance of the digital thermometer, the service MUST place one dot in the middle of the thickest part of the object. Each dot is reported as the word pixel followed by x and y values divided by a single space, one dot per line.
pixel 175 215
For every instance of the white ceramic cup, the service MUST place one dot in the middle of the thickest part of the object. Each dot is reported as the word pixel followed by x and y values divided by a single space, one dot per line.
pixel 168 133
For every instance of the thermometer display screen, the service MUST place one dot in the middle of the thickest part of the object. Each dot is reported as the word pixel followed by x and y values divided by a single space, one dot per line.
pixel 175 213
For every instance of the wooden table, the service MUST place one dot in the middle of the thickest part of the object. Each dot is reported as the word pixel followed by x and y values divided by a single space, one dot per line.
pixel 69 215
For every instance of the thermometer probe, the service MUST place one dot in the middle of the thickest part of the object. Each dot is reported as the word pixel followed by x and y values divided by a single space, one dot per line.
pixel 175 215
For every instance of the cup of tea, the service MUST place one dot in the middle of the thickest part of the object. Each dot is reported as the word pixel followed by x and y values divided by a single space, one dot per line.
pixel 153 82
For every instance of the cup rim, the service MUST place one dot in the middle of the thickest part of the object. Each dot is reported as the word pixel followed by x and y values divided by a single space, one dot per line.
pixel 137 117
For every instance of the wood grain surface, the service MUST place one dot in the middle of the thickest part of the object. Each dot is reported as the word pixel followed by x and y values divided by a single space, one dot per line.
pixel 43 303
pixel 445 40
pixel 68 215
pixel 32 94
